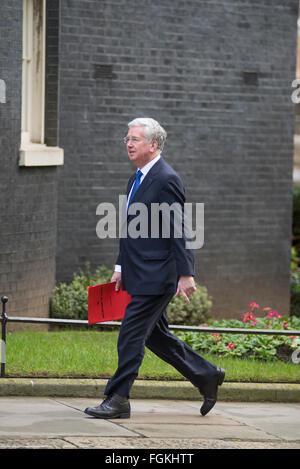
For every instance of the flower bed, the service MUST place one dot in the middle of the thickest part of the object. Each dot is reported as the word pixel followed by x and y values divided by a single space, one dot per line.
pixel 264 347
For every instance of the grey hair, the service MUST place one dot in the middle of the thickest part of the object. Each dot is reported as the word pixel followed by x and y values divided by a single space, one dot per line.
pixel 152 130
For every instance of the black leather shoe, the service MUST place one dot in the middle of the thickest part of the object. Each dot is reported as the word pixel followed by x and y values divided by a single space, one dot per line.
pixel 210 391
pixel 113 407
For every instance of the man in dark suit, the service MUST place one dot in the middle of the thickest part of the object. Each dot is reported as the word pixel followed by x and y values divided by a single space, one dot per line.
pixel 152 268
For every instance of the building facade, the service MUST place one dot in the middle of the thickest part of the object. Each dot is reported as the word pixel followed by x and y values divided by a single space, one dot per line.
pixel 28 186
pixel 216 75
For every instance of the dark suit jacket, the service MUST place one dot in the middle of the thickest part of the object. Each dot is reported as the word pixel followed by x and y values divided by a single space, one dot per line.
pixel 152 265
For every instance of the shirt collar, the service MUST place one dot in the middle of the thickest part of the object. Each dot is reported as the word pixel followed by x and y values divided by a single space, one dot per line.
pixel 145 169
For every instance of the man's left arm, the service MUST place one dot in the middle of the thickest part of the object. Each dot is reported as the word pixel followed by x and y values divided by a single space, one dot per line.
pixel 185 261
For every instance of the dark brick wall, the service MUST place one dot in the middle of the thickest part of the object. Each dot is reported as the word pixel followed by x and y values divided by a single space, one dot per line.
pixel 28 195
pixel 218 76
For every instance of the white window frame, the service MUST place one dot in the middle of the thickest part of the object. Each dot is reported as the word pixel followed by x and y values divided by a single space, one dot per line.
pixel 33 150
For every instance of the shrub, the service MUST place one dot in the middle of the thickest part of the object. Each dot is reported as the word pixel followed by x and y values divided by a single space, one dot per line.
pixel 193 313
pixel 70 301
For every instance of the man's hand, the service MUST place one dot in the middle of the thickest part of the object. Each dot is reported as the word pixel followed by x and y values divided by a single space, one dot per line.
pixel 116 277
pixel 186 286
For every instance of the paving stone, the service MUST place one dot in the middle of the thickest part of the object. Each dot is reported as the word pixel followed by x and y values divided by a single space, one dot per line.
pixel 43 422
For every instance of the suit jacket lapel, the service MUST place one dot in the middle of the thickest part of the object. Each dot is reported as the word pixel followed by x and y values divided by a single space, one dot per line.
pixel 130 182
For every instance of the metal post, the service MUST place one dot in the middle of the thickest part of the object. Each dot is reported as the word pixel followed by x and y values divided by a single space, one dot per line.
pixel 4 300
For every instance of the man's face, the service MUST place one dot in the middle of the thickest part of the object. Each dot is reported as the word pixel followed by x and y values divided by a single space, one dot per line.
pixel 140 152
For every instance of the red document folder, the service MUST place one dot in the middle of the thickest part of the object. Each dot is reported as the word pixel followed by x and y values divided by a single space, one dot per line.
pixel 105 303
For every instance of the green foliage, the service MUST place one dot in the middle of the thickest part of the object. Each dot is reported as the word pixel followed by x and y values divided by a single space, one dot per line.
pixel 70 301
pixel 252 346
pixel 193 313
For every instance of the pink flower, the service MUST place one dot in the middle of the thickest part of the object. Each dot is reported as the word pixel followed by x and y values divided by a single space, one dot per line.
pixel 292 336
pixel 247 317
pixel 253 305
pixel 274 314
pixel 217 336
pixel 278 315
pixel 231 346
pixel 285 323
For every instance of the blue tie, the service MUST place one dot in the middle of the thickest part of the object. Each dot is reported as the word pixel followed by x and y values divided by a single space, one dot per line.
pixel 138 176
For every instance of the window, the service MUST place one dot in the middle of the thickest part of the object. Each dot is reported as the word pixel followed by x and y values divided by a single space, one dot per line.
pixel 33 151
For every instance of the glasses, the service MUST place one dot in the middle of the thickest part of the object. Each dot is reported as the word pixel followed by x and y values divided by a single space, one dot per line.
pixel 126 140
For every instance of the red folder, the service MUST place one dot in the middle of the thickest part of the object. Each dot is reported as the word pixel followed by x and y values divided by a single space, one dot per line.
pixel 105 303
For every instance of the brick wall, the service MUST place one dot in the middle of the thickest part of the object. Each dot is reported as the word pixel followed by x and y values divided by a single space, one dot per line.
pixel 28 195
pixel 217 75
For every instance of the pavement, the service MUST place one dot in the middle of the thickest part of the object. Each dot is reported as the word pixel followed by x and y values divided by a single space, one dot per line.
pixel 49 414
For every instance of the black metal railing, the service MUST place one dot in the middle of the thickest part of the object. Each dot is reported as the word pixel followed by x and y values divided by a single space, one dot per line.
pixel 79 322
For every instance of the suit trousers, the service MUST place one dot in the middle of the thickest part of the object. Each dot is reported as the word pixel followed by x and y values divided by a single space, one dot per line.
pixel 145 323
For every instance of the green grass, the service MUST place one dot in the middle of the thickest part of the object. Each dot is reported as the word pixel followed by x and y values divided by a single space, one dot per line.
pixel 93 353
